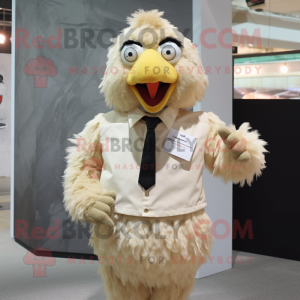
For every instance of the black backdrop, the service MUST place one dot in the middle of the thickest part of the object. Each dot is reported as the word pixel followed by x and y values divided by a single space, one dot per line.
pixel 272 204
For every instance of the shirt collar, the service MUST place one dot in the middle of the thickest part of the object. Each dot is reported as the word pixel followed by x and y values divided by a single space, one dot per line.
pixel 167 116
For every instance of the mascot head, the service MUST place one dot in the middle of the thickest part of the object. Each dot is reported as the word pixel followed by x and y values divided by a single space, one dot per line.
pixel 153 65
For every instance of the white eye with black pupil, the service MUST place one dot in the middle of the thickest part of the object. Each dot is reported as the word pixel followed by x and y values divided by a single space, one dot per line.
pixel 170 52
pixel 131 53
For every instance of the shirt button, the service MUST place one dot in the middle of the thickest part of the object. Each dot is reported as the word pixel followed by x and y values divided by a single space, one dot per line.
pixel 146 210
pixel 147 194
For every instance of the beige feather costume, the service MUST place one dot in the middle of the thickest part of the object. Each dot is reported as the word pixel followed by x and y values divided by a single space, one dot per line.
pixel 127 264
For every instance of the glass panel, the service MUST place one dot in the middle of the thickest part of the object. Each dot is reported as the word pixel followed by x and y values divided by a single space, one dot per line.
pixel 267 77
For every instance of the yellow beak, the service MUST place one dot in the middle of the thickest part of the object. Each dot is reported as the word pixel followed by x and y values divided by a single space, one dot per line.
pixel 151 68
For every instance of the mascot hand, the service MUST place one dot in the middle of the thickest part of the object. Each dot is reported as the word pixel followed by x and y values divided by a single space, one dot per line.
pixel 99 211
pixel 234 144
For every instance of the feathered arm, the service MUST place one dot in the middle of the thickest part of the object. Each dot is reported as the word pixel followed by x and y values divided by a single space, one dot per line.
pixel 83 197
pixel 236 155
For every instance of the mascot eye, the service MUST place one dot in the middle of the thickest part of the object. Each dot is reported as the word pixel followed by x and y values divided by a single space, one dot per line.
pixel 170 52
pixel 130 54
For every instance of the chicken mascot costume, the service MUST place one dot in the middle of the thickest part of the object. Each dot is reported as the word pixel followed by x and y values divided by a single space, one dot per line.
pixel 135 173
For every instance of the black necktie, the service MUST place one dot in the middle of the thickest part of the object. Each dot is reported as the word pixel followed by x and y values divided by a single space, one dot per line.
pixel 148 164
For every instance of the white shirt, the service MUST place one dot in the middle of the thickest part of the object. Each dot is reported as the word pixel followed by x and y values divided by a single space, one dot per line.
pixel 178 189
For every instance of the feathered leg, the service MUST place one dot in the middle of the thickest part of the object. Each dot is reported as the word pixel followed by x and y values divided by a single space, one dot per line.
pixel 116 290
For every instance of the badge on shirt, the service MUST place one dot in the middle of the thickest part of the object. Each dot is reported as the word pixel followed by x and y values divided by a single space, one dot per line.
pixel 180 144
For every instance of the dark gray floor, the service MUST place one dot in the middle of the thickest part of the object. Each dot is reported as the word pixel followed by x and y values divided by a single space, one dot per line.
pixel 263 278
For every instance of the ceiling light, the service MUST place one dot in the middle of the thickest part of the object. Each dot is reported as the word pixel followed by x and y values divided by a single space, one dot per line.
pixel 284 69
pixel 2 39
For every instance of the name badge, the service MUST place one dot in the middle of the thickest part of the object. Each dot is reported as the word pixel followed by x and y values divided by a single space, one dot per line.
pixel 180 144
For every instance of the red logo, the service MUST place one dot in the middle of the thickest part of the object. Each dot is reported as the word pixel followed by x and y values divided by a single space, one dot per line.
pixel 40 68
pixel 39 263
pixel 94 167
